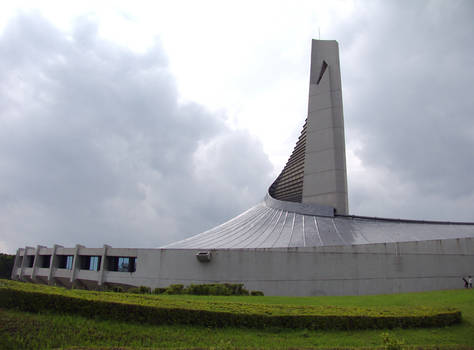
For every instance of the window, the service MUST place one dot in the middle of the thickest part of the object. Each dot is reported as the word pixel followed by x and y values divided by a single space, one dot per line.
pixel 94 265
pixel 91 263
pixel 121 263
pixel 65 261
pixel 29 260
pixel 45 261
pixel 69 260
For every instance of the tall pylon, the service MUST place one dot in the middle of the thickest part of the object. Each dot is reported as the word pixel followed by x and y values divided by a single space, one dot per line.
pixel 316 170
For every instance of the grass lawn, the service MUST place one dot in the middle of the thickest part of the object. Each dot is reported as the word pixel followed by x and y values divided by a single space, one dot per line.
pixel 19 330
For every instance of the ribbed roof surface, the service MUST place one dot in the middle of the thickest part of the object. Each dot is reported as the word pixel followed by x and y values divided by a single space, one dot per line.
pixel 267 225
pixel 289 184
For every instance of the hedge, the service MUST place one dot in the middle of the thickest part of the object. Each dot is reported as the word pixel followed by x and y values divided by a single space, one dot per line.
pixel 212 289
pixel 154 309
pixel 194 289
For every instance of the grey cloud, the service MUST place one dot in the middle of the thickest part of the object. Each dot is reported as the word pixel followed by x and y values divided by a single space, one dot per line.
pixel 95 148
pixel 409 76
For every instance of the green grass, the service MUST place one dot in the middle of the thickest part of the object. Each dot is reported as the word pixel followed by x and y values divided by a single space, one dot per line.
pixel 20 330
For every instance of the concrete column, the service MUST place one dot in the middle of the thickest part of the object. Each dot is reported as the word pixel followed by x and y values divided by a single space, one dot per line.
pixel 75 265
pixel 52 262
pixel 14 275
pixel 23 262
pixel 35 262
pixel 103 264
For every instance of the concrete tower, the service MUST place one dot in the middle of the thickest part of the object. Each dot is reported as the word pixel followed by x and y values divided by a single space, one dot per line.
pixel 316 171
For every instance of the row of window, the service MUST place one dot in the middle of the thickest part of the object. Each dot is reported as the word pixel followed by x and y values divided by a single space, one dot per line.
pixel 92 263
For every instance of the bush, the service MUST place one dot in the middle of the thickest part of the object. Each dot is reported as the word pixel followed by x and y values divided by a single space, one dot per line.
pixel 134 290
pixel 216 289
pixel 145 290
pixel 256 293
pixel 238 289
pixel 194 289
pixel 175 289
pixel 139 290
pixel 159 290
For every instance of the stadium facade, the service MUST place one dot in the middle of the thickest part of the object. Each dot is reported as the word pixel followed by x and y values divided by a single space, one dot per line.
pixel 300 240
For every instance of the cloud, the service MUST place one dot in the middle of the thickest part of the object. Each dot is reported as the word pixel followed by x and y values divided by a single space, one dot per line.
pixel 95 148
pixel 408 108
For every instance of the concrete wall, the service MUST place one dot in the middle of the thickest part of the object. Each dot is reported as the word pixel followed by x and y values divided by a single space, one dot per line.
pixel 339 270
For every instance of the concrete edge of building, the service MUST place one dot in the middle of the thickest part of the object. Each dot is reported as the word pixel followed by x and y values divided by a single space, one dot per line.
pixel 328 270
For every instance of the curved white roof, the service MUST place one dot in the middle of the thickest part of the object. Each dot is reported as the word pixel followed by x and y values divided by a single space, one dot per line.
pixel 279 224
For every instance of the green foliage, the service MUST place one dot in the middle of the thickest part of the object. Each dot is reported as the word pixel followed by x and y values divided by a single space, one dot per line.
pixel 145 290
pixel 134 290
pixel 157 309
pixel 117 289
pixel 159 290
pixel 390 342
pixel 222 289
pixel 139 290
pixel 256 293
pixel 6 265
pixel 175 289
pixel 216 289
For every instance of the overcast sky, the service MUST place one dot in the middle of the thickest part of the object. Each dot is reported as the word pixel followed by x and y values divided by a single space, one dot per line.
pixel 137 125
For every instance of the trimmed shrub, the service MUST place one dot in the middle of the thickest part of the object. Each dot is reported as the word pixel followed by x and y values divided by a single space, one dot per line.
pixel 158 310
pixel 134 290
pixel 159 290
pixel 175 289
pixel 216 289
pixel 139 290
pixel 145 290
pixel 256 293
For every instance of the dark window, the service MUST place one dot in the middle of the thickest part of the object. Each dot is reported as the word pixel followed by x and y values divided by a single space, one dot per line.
pixel 84 262
pixel 91 263
pixel 61 261
pixel 65 261
pixel 30 260
pixel 45 260
pixel 121 263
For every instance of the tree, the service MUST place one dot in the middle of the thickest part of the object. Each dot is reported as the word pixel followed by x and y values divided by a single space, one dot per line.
pixel 6 265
